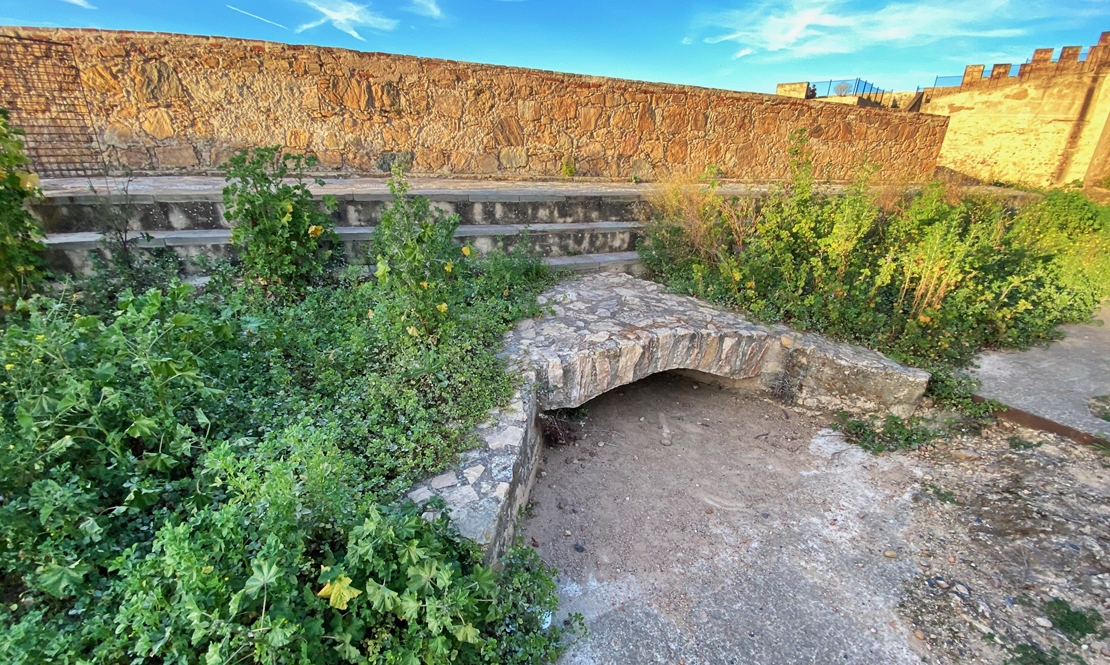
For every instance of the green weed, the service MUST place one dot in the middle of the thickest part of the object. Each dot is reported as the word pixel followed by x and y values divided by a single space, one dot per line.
pixel 1073 623
pixel 942 495
pixel 1018 443
pixel 891 434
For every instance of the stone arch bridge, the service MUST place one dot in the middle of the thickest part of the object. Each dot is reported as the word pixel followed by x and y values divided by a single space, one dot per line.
pixel 608 330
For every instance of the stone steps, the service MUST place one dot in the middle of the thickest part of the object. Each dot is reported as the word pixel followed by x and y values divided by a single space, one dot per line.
pixel 579 247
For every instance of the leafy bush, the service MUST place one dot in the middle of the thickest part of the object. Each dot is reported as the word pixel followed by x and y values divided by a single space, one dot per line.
pixel 280 230
pixel 211 477
pixel 929 282
pixel 416 259
pixel 21 264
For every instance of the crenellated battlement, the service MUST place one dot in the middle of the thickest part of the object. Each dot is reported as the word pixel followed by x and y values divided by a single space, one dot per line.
pixel 1042 65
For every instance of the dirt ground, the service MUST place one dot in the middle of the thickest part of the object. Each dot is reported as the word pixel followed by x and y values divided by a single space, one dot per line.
pixel 695 525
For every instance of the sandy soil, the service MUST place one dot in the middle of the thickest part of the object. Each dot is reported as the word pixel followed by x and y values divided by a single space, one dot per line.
pixel 695 525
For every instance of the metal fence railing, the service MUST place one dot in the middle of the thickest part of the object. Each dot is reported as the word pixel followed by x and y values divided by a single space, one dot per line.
pixel 847 87
pixel 39 84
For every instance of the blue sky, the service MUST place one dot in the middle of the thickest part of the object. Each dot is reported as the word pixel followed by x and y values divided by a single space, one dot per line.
pixel 733 44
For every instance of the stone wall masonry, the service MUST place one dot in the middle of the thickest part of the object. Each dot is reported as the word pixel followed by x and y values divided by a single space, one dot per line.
pixel 178 103
pixel 1046 126
pixel 609 330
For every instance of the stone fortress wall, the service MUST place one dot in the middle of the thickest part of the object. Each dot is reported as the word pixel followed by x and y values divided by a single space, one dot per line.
pixel 177 103
pixel 1048 125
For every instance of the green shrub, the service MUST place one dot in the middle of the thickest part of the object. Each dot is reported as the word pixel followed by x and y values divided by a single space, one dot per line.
pixel 930 282
pixel 417 262
pixel 278 227
pixel 205 476
pixel 21 263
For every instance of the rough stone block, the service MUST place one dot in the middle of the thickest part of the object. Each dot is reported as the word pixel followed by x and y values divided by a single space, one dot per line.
pixel 177 156
pixel 514 157
pixel 157 123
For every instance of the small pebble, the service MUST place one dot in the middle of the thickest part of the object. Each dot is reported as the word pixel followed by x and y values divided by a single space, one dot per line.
pixel 962 590
pixel 890 554
pixel 941 583
pixel 1043 622
pixel 566 534
pixel 578 547
pixel 919 635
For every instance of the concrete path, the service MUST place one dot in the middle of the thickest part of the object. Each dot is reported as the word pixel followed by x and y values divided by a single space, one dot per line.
pixel 1055 383
pixel 210 187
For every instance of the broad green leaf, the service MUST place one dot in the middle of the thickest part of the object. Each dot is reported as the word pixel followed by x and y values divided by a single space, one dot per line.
pixel 466 633
pixel 382 269
pixel 265 574
pixel 56 580
pixel 410 606
pixel 484 578
pixel 381 597
pixel 422 577
pixel 142 427
pixel 412 553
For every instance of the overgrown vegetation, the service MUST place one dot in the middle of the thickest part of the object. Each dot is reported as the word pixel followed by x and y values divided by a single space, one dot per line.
pixel 930 280
pixel 21 264
pixel 211 476
pixel 122 264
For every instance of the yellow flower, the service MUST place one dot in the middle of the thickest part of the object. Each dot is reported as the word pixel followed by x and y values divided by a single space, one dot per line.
pixel 442 307
pixel 413 331
pixel 370 314
pixel 29 180
pixel 505 292
pixel 315 231
pixel 466 250
pixel 37 360
pixel 425 285
pixel 449 266
pixel 39 338
pixel 9 366
pixel 736 275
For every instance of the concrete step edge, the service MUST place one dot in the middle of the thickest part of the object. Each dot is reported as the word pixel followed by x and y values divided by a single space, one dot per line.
pixel 200 237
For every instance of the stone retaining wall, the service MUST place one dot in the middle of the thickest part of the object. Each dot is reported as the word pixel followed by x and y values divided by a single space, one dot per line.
pixel 178 103
pixel 610 330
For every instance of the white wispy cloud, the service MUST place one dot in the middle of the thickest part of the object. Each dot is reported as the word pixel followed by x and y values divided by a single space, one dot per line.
pixel 806 28
pixel 427 8
pixel 264 20
pixel 345 16
pixel 84 4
